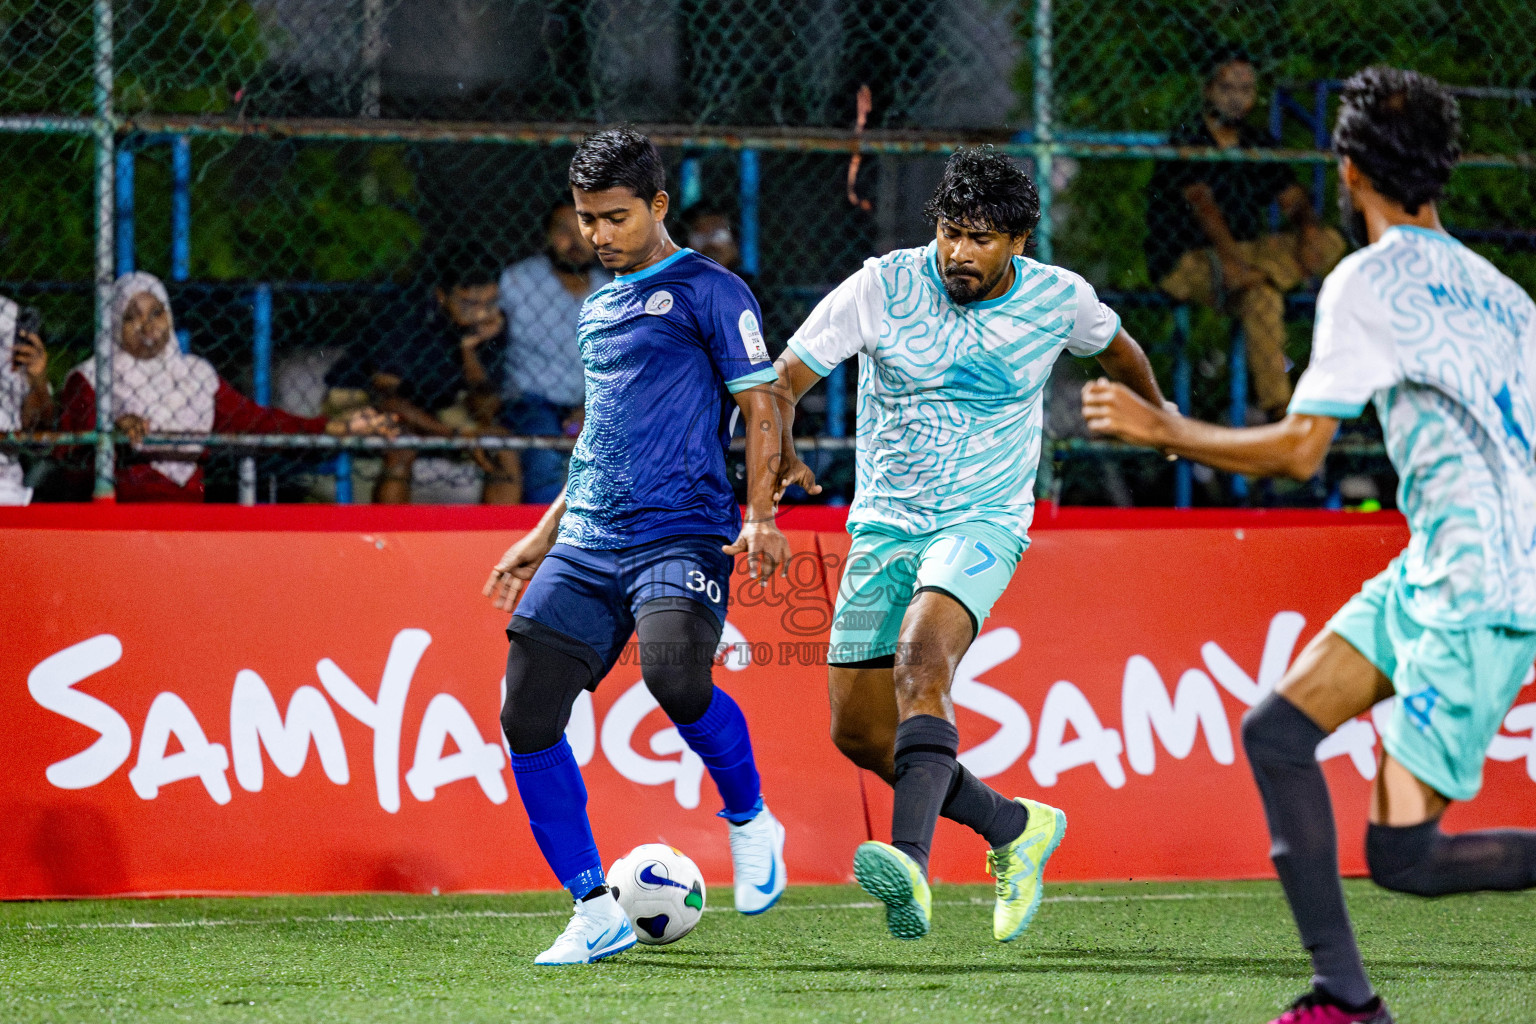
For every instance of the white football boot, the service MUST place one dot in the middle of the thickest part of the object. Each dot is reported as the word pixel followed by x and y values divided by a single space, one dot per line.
pixel 599 928
pixel 757 859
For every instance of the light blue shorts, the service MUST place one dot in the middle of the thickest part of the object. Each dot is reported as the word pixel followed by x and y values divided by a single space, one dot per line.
pixel 972 563
pixel 1454 686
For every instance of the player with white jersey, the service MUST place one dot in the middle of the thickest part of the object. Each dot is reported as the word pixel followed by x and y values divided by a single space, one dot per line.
pixel 955 341
pixel 1443 345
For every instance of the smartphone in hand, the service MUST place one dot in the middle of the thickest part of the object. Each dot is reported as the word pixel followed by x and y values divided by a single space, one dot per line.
pixel 29 320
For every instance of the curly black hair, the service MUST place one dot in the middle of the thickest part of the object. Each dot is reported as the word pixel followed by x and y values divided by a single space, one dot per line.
pixel 1403 130
pixel 465 264
pixel 982 188
pixel 615 158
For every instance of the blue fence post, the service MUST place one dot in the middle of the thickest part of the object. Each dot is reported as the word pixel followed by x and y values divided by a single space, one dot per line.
pixel 837 401
pixel 123 189
pixel 1323 139
pixel 1183 472
pixel 261 344
pixel 1237 414
pixel 750 186
pixel 261 376
pixel 690 182
pixel 181 219
pixel 344 478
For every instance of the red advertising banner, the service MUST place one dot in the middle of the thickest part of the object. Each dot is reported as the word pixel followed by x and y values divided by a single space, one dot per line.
pixel 307 700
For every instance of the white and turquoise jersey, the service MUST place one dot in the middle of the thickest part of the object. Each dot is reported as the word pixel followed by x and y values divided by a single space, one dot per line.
pixel 1444 345
pixel 950 395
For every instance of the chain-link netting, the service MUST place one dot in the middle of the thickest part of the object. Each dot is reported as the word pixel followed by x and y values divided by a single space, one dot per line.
pixel 353 204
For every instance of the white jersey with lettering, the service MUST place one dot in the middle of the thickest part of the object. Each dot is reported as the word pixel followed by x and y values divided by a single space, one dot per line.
pixel 950 395
pixel 1445 346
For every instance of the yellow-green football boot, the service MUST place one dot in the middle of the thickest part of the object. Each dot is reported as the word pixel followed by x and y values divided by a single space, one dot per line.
pixel 1019 869
pixel 894 879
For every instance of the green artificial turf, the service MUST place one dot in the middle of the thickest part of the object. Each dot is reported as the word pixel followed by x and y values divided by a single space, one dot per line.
pixel 1223 952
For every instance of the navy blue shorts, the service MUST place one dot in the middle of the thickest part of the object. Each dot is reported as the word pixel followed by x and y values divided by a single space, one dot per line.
pixel 584 602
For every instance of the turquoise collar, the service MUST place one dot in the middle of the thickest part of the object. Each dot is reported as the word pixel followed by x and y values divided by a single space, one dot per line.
pixel 655 268
pixel 1439 236
pixel 931 264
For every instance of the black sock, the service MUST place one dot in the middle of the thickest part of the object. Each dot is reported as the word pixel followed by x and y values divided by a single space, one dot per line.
pixel 925 770
pixel 601 890
pixel 1425 861
pixel 1281 743
pixel 984 810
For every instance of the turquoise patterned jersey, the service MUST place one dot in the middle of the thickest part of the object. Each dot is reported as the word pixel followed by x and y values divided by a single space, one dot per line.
pixel 1443 344
pixel 950 395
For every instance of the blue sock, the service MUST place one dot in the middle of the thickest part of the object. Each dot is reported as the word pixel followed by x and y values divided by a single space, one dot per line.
pixel 549 783
pixel 721 740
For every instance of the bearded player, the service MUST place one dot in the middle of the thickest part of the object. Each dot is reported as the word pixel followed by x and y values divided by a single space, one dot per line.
pixel 641 539
pixel 956 342
pixel 1443 345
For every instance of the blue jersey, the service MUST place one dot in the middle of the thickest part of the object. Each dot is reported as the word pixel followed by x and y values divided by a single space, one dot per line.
pixel 662 349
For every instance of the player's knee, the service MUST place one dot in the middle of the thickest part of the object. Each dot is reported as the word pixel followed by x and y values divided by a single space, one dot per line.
pixel 1262 299
pixel 860 743
pixel 922 681
pixel 1270 732
pixel 1401 858
pixel 684 690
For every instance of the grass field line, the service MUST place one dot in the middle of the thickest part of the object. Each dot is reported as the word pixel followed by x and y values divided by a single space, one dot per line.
pixel 219 922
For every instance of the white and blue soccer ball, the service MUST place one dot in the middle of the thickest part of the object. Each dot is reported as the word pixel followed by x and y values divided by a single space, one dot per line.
pixel 660 890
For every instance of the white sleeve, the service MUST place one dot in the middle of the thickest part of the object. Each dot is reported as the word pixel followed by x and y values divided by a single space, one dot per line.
pixel 1095 325
pixel 844 323
pixel 1352 352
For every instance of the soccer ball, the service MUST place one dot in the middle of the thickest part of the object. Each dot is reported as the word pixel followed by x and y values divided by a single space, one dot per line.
pixel 660 890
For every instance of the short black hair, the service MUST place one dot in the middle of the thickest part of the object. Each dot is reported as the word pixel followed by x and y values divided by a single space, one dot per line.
pixel 564 203
pixel 618 158
pixel 1402 129
pixel 1224 54
pixel 983 189
pixel 465 264
pixel 698 211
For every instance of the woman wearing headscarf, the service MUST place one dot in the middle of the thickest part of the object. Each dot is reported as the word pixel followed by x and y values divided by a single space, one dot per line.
pixel 158 389
pixel 26 400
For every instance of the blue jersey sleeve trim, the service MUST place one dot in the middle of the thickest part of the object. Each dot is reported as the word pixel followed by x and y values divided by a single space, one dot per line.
pixel 752 380
pixel 816 365
pixel 1323 407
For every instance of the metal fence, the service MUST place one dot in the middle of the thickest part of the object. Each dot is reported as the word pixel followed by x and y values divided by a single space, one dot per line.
pixel 299 173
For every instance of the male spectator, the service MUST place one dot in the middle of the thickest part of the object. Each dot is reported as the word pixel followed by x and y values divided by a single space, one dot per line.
pixel 424 367
pixel 709 233
pixel 541 299
pixel 1207 234
pixel 26 401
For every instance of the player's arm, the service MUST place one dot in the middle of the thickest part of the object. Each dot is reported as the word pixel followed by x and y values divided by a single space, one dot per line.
pixel 844 323
pixel 522 559
pixel 795 379
pixel 1125 362
pixel 1294 447
pixel 767 549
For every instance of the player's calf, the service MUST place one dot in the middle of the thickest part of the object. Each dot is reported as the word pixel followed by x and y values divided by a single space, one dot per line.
pixel 1422 860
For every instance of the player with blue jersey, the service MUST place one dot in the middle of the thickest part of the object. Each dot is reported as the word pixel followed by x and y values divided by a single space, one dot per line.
pixel 1444 346
pixel 641 541
pixel 955 341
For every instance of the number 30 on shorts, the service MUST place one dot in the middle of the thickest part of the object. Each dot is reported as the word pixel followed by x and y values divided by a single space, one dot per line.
pixel 709 588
